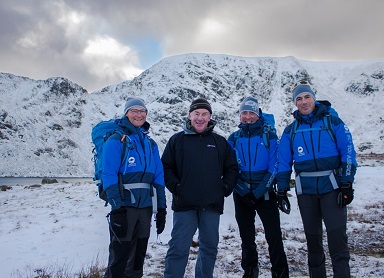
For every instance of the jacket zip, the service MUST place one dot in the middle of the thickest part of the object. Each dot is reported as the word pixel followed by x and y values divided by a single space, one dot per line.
pixel 249 154
pixel 314 158
pixel 257 149
pixel 242 153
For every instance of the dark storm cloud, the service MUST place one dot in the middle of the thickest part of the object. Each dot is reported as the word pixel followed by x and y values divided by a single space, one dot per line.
pixel 96 43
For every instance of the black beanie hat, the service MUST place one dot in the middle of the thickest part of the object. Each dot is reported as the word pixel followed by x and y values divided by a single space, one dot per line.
pixel 200 103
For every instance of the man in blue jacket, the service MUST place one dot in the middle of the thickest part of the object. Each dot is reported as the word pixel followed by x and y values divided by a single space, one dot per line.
pixel 200 169
pixel 133 186
pixel 254 190
pixel 319 146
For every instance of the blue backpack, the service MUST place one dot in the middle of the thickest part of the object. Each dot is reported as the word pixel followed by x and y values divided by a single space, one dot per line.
pixel 328 125
pixel 269 125
pixel 100 134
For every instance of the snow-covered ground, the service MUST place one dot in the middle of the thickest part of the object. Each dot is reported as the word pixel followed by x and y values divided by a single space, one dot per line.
pixel 64 224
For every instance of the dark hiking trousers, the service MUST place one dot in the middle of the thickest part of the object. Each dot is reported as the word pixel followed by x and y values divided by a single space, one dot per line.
pixel 269 216
pixel 127 254
pixel 317 208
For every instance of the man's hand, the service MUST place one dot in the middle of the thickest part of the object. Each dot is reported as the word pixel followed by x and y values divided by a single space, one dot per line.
pixel 283 202
pixel 160 220
pixel 345 195
pixel 118 222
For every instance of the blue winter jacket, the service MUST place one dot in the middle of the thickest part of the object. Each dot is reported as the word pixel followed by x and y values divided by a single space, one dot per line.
pixel 141 164
pixel 256 161
pixel 314 150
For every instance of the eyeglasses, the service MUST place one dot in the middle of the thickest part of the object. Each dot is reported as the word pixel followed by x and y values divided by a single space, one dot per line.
pixel 136 111
pixel 303 82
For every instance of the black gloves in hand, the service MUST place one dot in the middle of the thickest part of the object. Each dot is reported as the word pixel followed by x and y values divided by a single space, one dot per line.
pixel 283 202
pixel 250 200
pixel 345 196
pixel 119 222
pixel 160 220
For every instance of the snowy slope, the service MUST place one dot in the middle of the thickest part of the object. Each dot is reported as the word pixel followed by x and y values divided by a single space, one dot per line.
pixel 63 227
pixel 45 125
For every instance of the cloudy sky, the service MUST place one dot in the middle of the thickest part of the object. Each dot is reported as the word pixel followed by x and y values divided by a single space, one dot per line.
pixel 96 43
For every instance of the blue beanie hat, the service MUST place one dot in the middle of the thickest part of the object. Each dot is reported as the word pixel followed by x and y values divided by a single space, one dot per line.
pixel 301 89
pixel 250 104
pixel 133 101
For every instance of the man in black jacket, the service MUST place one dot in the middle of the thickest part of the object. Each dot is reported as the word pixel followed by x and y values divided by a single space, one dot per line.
pixel 200 169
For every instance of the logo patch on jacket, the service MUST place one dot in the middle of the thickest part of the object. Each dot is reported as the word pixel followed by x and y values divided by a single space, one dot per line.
pixel 131 161
pixel 211 146
pixel 300 151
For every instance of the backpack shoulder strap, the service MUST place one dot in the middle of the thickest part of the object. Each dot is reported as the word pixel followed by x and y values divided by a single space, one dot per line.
pixel 294 127
pixel 329 127
pixel 124 141
pixel 236 136
pixel 266 139
pixel 268 126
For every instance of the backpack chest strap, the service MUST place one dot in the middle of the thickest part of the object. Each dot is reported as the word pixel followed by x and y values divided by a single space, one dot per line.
pixel 249 186
pixel 142 185
pixel 329 173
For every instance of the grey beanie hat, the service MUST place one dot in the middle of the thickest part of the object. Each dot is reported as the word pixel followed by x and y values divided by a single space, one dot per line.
pixel 301 89
pixel 133 101
pixel 250 104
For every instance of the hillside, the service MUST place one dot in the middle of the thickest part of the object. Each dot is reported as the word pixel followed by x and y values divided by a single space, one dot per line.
pixel 45 125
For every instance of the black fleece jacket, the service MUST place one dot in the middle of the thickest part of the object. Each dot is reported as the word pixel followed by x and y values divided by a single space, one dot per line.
pixel 200 169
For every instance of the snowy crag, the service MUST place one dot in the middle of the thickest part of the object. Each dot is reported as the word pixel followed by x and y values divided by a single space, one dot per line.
pixel 45 125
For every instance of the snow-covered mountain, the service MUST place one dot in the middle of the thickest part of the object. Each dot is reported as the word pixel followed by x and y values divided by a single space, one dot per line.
pixel 45 125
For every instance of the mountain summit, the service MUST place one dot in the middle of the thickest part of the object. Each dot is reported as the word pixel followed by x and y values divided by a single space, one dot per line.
pixel 45 125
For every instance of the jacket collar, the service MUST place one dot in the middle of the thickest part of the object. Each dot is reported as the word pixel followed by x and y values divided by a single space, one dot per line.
pixel 189 129
pixel 252 128
pixel 129 128
pixel 320 111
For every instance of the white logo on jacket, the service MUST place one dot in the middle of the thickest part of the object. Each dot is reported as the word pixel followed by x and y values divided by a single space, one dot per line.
pixel 300 151
pixel 131 161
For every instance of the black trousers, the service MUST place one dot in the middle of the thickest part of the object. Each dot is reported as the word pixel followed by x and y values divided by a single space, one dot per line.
pixel 127 254
pixel 269 216
pixel 315 209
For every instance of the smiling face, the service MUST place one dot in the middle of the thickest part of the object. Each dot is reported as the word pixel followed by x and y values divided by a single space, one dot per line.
pixel 305 103
pixel 137 115
pixel 248 117
pixel 199 119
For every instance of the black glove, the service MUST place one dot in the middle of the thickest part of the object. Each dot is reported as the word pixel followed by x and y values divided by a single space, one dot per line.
pixel 118 222
pixel 227 190
pixel 250 200
pixel 283 202
pixel 345 195
pixel 160 220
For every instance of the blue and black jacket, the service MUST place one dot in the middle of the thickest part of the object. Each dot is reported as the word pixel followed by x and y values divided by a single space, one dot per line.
pixel 313 149
pixel 256 161
pixel 141 164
